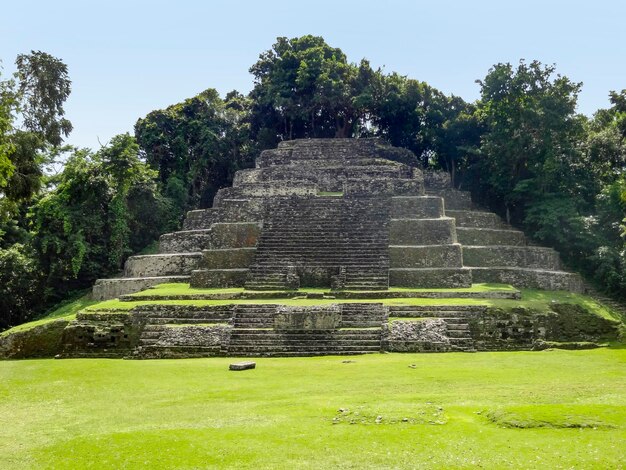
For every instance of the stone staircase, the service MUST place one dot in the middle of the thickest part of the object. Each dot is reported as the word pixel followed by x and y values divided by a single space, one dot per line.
pixel 171 331
pixel 319 236
pixel 254 333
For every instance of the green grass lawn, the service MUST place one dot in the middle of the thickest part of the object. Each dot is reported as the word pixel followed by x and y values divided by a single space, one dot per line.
pixel 531 298
pixel 550 409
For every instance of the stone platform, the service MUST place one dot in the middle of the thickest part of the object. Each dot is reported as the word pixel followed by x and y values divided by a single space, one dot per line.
pixel 326 327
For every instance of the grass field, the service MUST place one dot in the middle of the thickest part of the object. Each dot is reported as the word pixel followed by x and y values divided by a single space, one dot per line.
pixel 550 409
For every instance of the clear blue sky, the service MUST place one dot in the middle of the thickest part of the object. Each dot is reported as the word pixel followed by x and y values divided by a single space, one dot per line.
pixel 127 58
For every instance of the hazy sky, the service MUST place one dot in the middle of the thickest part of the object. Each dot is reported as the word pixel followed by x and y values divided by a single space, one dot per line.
pixel 127 58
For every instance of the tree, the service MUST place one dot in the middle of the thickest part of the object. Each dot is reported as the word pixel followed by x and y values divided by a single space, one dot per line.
pixel 37 97
pixel 529 148
pixel 105 206
pixel 307 89
pixel 197 144
pixel 7 106
pixel 20 286
pixel 44 86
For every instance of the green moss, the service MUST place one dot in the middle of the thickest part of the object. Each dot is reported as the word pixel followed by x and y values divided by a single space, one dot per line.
pixel 557 416
pixel 181 289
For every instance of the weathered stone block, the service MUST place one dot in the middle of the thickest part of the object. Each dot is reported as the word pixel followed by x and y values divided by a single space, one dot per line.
pixel 430 277
pixel 228 258
pixel 40 341
pixel 327 317
pixel 437 180
pixel 192 335
pixel 487 236
pixel 384 187
pixel 169 264
pixel 529 278
pixel 242 365
pixel 454 199
pixel 417 336
pixel 416 207
pixel 422 231
pixel 476 219
pixel 247 176
pixel 511 256
pixel 234 235
pixel 105 289
pixel 205 278
pixel 431 256
pixel 105 335
pixel 186 241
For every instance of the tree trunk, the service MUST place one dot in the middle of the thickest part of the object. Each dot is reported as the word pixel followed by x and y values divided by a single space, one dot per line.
pixel 452 173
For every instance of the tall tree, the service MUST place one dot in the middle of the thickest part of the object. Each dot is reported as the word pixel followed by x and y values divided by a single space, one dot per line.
pixel 309 89
pixel 529 149
pixel 44 86
pixel 37 96
pixel 197 145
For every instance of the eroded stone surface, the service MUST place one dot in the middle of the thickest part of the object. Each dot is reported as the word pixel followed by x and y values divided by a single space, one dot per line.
pixel 246 365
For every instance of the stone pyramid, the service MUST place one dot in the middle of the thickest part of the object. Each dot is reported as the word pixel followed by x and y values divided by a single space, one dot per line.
pixel 340 213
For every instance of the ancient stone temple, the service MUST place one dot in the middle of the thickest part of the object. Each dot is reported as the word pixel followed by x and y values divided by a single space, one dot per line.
pixel 339 213
pixel 327 247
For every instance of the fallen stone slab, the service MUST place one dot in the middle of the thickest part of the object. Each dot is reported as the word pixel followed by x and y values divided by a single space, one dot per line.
pixel 242 365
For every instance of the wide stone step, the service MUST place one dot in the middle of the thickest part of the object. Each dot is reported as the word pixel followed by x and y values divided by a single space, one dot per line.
pixel 177 352
pixel 449 317
pixel 487 236
pixel 287 340
pixel 530 278
pixel 512 256
pixel 105 289
pixel 438 308
pixel 426 256
pixel 355 352
pixel 228 258
pixel 416 232
pixel 220 235
pixel 361 324
pixel 184 241
pixel 211 278
pixel 183 321
pixel 476 219
pixel 416 207
pixel 430 277
pixel 169 264
pixel 453 198
pixel 260 348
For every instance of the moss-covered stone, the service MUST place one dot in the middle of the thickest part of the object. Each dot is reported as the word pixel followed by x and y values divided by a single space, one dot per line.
pixel 40 341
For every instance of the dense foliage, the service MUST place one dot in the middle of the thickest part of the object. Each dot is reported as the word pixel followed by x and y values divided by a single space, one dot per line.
pixel 521 149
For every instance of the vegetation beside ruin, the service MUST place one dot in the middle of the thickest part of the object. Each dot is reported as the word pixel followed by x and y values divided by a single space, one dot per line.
pixel 551 409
